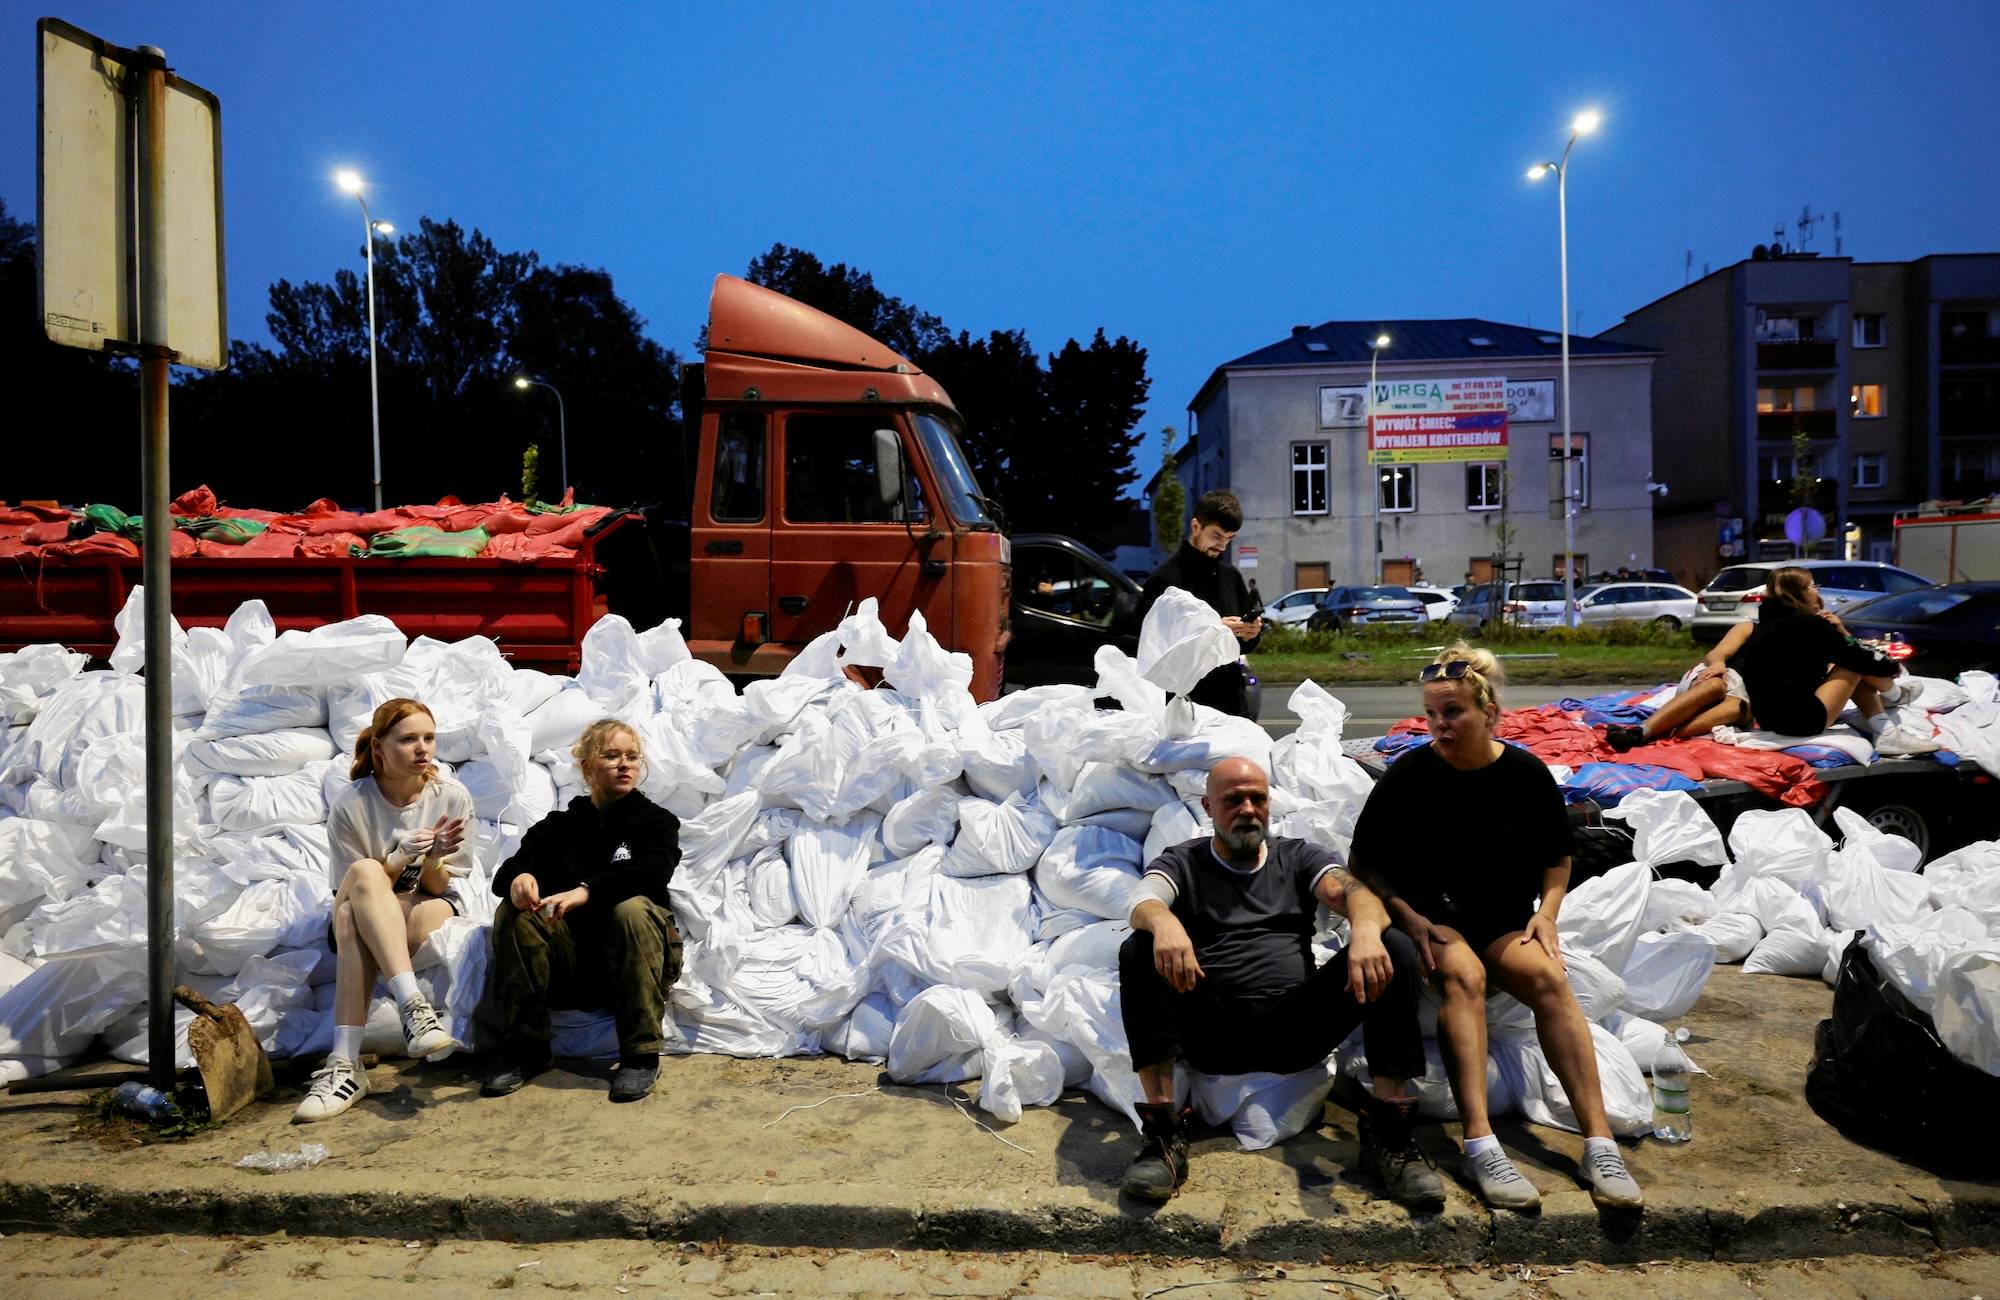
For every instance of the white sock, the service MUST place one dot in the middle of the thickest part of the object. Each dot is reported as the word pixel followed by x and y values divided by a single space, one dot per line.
pixel 347 1042
pixel 403 987
pixel 1878 724
pixel 1479 1146
pixel 1593 1145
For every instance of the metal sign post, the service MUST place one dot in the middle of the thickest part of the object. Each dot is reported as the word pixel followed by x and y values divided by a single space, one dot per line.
pixel 130 252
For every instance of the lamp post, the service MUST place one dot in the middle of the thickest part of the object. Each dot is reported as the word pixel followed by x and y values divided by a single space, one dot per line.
pixel 524 383
pixel 1585 123
pixel 1375 346
pixel 350 182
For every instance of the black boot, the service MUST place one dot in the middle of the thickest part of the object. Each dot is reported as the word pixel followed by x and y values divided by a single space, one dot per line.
pixel 1389 1151
pixel 1622 739
pixel 1161 1166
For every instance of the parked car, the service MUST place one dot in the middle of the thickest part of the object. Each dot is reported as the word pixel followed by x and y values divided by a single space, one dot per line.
pixel 1438 603
pixel 1294 608
pixel 1934 631
pixel 1635 575
pixel 1350 607
pixel 1637 602
pixel 1522 604
pixel 1733 595
pixel 1068 601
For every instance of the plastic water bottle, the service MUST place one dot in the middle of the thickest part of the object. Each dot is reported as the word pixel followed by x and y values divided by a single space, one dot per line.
pixel 144 1101
pixel 1673 1121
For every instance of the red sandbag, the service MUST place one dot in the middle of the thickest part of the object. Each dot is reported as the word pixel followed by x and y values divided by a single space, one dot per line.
pixel 521 548
pixel 46 534
pixel 334 545
pixel 271 544
pixel 100 544
pixel 342 521
pixel 571 525
pixel 581 523
pixel 10 516
pixel 180 545
pixel 254 515
pixel 34 514
pixel 511 517
pixel 323 506
pixel 196 503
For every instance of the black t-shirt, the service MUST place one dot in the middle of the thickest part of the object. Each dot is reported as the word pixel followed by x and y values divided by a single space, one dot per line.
pixel 1252 930
pixel 1471 843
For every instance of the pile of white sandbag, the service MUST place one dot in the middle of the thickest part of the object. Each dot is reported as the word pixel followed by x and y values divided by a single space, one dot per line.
pixel 896 875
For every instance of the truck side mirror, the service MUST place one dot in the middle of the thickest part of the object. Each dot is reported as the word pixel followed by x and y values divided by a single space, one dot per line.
pixel 888 467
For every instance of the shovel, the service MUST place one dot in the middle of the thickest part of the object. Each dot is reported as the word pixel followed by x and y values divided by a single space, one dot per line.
pixel 234 1069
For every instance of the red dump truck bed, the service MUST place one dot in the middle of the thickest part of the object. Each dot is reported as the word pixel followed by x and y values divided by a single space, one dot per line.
pixel 537 610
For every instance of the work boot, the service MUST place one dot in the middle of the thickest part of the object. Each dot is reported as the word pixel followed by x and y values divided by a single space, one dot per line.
pixel 515 1070
pixel 1500 1184
pixel 634 1078
pixel 1622 739
pixel 424 1034
pixel 1389 1151
pixel 1611 1184
pixel 1159 1169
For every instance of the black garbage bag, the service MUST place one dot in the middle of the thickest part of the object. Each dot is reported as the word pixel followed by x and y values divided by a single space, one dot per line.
pixel 1881 1075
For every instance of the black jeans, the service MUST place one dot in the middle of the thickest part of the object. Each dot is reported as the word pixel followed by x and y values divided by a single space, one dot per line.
pixel 1222 1035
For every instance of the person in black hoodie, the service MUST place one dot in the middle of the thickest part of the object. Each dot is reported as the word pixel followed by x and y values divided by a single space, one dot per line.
pixel 1197 569
pixel 584 920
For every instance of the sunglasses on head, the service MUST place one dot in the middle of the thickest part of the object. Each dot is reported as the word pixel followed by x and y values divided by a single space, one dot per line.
pixel 1450 672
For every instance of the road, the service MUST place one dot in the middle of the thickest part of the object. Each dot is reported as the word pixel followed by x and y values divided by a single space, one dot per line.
pixel 199 1266
pixel 1373 709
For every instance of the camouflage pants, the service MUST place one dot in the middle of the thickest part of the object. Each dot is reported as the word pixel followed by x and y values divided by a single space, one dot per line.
pixel 626 961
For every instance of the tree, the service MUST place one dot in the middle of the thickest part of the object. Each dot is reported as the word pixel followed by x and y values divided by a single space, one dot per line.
pixel 849 294
pixel 997 383
pixel 1169 498
pixel 1070 478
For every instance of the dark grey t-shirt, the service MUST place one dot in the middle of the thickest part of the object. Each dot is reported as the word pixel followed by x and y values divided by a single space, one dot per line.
pixel 1252 930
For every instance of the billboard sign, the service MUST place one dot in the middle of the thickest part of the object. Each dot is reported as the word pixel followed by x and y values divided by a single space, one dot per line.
pixel 1530 401
pixel 1343 408
pixel 1417 421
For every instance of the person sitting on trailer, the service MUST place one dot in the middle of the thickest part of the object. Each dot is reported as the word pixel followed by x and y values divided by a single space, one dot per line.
pixel 1219 972
pixel 400 847
pixel 584 920
pixel 1468 901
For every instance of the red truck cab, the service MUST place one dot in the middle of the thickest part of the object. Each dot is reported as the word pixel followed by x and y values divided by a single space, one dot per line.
pixel 829 470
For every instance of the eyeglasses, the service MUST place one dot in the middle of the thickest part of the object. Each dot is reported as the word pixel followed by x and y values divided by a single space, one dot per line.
pixel 1450 672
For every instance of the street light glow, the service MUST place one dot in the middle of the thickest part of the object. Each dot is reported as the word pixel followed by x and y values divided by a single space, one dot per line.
pixel 1586 121
pixel 384 228
pixel 520 382
pixel 348 180
pixel 1381 341
pixel 1538 171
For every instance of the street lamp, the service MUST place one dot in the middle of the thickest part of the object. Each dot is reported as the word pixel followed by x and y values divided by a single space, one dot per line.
pixel 1375 346
pixel 524 383
pixel 350 182
pixel 1585 123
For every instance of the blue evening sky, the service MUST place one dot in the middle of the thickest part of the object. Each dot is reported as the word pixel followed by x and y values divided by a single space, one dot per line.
pixel 1199 177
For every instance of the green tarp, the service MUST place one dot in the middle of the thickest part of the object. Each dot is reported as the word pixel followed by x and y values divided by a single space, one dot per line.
pixel 423 540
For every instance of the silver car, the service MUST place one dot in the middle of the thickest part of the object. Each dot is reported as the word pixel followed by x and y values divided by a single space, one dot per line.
pixel 1733 595
pixel 1294 608
pixel 1522 604
pixel 1637 602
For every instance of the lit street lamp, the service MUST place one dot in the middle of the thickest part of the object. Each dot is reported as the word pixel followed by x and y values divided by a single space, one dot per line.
pixel 350 182
pixel 524 383
pixel 1585 123
pixel 1375 346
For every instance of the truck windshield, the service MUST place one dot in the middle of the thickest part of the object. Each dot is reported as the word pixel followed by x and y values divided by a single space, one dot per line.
pixel 961 490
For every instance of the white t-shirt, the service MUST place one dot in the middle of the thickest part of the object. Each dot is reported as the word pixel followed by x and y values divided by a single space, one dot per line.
pixel 364 824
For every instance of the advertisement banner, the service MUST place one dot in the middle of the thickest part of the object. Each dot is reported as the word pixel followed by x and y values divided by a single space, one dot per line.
pixel 1418 421
pixel 1531 401
pixel 1343 408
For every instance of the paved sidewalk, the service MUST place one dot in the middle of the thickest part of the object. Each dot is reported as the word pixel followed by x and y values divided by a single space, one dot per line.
pixel 721 1153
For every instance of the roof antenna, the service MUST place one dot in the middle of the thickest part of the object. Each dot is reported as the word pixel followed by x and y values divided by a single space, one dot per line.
pixel 1836 234
pixel 1687 268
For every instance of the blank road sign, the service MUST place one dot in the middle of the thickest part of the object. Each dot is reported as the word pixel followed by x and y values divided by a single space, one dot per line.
pixel 86 219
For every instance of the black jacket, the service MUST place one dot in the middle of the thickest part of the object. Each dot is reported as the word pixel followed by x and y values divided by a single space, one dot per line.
pixel 628 849
pixel 1222 586
pixel 1788 653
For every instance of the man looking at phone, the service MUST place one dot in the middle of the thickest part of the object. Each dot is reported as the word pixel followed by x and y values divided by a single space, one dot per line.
pixel 1198 569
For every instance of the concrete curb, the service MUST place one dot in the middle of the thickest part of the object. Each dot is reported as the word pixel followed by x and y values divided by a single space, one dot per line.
pixel 1865 1221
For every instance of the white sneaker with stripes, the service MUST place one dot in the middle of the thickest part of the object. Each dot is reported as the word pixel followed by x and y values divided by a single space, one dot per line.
pixel 335 1086
pixel 424 1034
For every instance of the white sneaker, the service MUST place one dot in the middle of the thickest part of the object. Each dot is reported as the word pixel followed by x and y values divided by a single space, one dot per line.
pixel 1500 1184
pixel 423 1033
pixel 1905 739
pixel 1904 690
pixel 1611 1184
pixel 335 1086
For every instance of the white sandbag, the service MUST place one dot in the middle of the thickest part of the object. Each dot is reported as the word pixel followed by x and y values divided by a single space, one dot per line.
pixel 270 753
pixel 1262 1109
pixel 328 655
pixel 1644 1039
pixel 1602 916
pixel 1091 869
pixel 1599 992
pixel 559 720
pixel 866 1034
pixel 251 710
pixel 1863 895
pixel 1777 906
pixel 1666 974
pixel 255 923
pixel 1215 737
pixel 618 664
pixel 1052 922
pixel 797 977
pixel 64 1003
pixel 1967 1007
pixel 1889 852
pixel 770 882
pixel 828 863
pixel 1016 1072
pixel 1174 823
pixel 1628 1100
pixel 1969 878
pixel 1095 946
pixel 1837 942
pixel 1781 845
pixel 1435 1100
pixel 41 860
pixel 998 839
pixel 1669 826
pixel 1101 787
pixel 970 931
pixel 930 816
pixel 12 971
pixel 1912 956
pixel 1182 641
pixel 258 803
pixel 30 675
pixel 1676 904
pixel 1789 951
pixel 940 1037
pixel 997 763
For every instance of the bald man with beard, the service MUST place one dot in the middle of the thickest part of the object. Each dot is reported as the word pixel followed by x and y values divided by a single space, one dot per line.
pixel 1219 973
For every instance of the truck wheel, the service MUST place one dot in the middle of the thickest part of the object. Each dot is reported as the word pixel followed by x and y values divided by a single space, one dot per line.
pixel 1897 815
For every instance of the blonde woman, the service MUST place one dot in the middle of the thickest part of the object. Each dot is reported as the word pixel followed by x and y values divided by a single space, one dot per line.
pixel 1481 903
pixel 584 921
pixel 399 844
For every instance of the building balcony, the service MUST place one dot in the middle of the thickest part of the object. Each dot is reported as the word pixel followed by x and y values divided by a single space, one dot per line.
pixel 1796 354
pixel 1969 351
pixel 1783 424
